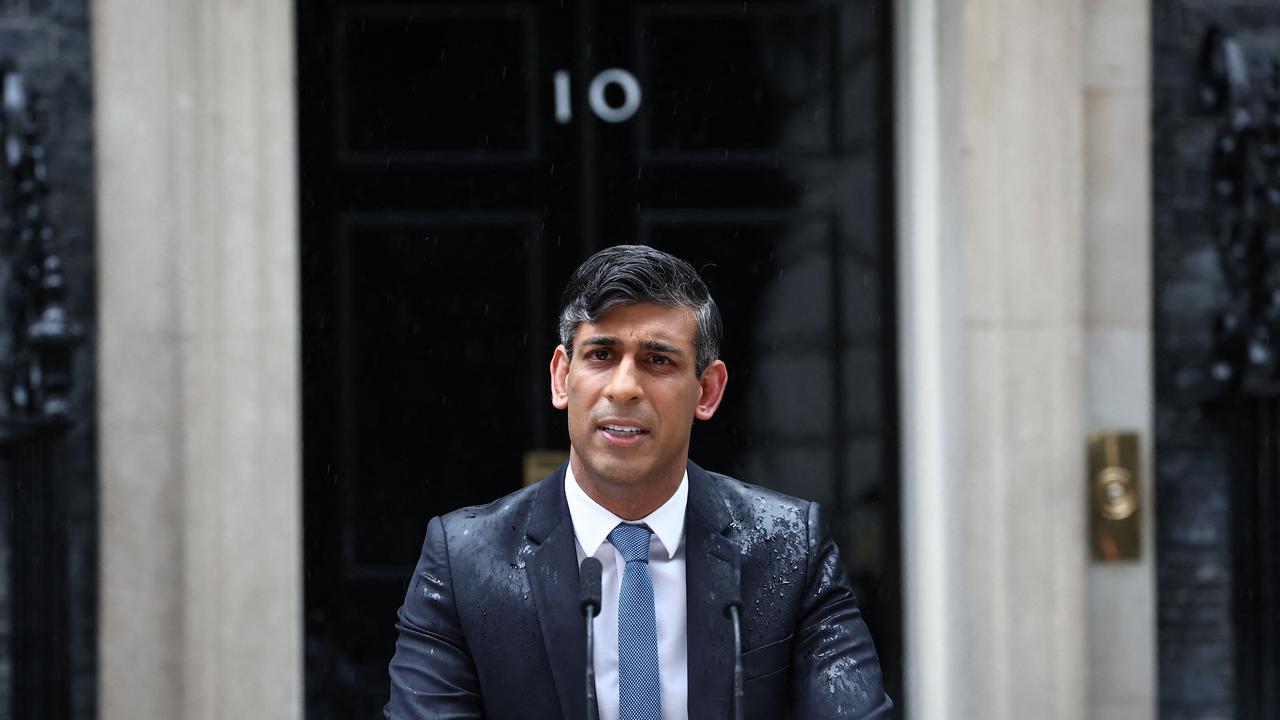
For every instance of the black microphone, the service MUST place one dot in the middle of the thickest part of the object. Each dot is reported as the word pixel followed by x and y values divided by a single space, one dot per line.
pixel 732 597
pixel 589 603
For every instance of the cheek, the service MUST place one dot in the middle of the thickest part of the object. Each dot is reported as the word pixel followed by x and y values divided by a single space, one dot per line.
pixel 681 405
pixel 580 397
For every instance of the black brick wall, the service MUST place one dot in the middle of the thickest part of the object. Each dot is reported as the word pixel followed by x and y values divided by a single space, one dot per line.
pixel 1193 442
pixel 49 42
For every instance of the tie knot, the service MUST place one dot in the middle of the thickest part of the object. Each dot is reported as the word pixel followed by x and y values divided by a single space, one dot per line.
pixel 632 541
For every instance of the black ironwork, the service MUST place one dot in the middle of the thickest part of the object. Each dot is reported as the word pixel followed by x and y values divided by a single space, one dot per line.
pixel 38 336
pixel 1245 368
pixel 37 345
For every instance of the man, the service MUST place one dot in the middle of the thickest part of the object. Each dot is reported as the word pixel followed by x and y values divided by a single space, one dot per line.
pixel 491 625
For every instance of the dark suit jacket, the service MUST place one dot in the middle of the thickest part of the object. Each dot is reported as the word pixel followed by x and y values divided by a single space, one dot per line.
pixel 490 626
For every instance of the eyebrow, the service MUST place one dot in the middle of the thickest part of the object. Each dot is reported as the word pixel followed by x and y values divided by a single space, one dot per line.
pixel 600 340
pixel 654 345
pixel 658 346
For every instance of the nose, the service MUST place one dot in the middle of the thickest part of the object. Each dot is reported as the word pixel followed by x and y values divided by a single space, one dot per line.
pixel 624 384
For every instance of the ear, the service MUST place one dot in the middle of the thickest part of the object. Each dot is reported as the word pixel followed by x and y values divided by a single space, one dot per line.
pixel 713 381
pixel 560 378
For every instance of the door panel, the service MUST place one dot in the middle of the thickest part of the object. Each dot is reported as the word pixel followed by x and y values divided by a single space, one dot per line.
pixel 413 321
pixel 721 75
pixel 449 187
pixel 410 78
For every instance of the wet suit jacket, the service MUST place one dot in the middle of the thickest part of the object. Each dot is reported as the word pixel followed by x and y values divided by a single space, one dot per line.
pixel 490 626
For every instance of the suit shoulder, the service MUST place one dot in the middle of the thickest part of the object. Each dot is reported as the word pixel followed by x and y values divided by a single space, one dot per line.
pixel 739 493
pixel 496 515
pixel 774 533
pixel 762 515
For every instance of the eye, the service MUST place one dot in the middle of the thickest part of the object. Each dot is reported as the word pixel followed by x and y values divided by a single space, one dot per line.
pixel 660 360
pixel 598 354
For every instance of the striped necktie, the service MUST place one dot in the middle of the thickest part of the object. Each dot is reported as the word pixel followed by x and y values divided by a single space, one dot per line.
pixel 639 690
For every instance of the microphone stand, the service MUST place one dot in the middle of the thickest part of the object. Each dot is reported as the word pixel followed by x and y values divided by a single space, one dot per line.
pixel 589 603
pixel 593 710
pixel 737 661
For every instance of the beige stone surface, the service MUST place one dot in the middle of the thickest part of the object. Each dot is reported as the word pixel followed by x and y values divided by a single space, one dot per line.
pixel 1024 255
pixel 994 100
pixel 1122 665
pixel 1120 710
pixel 1118 44
pixel 200 590
pixel 1119 374
pixel 1118 206
pixel 1023 558
pixel 1020 170
pixel 140 577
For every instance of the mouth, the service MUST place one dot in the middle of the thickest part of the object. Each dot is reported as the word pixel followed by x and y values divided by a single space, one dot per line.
pixel 623 433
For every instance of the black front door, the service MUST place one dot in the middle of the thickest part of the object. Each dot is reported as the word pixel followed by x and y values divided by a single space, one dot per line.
pixel 458 160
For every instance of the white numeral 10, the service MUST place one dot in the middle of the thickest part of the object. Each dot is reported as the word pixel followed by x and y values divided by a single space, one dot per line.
pixel 595 96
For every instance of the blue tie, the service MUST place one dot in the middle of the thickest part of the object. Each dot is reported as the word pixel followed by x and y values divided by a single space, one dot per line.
pixel 639 691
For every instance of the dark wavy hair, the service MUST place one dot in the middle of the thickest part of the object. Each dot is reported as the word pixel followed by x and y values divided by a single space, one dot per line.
pixel 630 274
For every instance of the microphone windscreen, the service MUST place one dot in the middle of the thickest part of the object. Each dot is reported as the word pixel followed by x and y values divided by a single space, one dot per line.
pixel 729 591
pixel 589 584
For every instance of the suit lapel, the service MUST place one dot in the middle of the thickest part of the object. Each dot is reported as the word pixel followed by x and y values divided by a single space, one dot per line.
pixel 711 559
pixel 553 575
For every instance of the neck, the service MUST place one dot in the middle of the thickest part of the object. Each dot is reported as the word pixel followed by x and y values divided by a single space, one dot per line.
pixel 633 500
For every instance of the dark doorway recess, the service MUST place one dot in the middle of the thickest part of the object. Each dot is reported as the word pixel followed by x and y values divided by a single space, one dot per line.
pixel 1255 542
pixel 1217 341
pixel 450 183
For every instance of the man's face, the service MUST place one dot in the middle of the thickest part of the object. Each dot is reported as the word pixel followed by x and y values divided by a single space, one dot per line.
pixel 632 393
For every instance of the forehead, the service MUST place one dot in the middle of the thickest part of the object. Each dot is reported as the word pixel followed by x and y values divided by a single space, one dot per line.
pixel 643 321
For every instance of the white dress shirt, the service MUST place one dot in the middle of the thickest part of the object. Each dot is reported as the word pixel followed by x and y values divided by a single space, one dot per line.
pixel 592 524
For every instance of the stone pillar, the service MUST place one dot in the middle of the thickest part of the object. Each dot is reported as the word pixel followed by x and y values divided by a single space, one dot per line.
pixel 1118 337
pixel 200 589
pixel 992 283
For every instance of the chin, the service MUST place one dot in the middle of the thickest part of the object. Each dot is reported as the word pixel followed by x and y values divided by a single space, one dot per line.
pixel 617 471
pixel 620 472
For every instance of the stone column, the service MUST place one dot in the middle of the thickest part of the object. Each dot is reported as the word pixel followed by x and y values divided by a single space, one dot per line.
pixel 200 594
pixel 1121 610
pixel 992 262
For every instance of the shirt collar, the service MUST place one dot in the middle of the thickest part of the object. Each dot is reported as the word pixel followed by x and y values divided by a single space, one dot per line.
pixel 592 522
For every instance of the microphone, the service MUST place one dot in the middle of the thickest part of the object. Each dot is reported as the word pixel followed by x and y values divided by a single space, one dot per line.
pixel 732 595
pixel 589 604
